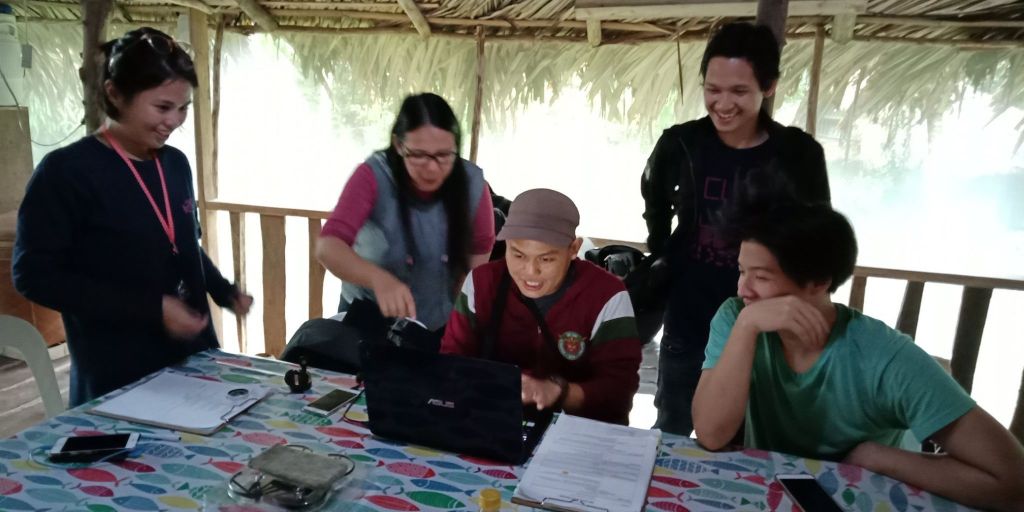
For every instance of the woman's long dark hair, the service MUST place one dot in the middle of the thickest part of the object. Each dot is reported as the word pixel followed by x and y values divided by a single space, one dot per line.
pixel 429 109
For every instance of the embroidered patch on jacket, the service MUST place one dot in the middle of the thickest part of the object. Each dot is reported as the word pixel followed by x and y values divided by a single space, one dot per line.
pixel 571 345
pixel 188 206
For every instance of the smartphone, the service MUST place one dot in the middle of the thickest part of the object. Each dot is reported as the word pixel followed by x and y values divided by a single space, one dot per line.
pixel 330 403
pixel 92 448
pixel 807 493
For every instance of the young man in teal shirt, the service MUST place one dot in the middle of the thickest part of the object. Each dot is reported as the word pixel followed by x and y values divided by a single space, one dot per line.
pixel 806 376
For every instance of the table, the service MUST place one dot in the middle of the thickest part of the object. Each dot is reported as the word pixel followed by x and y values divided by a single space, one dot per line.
pixel 403 478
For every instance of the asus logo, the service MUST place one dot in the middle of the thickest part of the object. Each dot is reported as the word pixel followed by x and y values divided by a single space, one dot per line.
pixel 447 404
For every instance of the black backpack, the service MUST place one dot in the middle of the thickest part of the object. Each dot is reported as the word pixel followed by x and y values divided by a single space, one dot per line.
pixel 646 281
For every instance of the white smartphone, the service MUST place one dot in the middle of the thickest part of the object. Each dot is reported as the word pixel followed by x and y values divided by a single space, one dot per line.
pixel 807 494
pixel 330 403
pixel 92 448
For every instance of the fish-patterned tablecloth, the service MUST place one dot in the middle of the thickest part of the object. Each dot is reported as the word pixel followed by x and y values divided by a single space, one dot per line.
pixel 164 475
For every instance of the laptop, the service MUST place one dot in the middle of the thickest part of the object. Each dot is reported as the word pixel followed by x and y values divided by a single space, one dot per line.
pixel 453 403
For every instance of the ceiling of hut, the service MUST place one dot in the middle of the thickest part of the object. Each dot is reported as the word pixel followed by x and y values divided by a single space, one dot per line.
pixel 982 23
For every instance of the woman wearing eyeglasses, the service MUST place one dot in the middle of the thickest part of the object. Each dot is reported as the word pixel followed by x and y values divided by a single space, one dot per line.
pixel 108 232
pixel 412 220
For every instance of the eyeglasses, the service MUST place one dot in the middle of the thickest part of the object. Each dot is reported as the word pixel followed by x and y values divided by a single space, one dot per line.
pixel 417 157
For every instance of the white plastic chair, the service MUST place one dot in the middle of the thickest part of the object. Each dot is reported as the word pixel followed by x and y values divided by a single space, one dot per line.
pixel 23 337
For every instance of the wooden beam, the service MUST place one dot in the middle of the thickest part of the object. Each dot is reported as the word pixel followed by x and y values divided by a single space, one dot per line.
pixel 238 257
pixel 268 210
pixel 935 277
pixel 842 27
pixel 931 22
pixel 469 22
pixel 910 310
pixel 416 16
pixel 316 272
pixel 478 99
pixel 258 14
pixel 970 326
pixel 524 37
pixel 678 9
pixel 814 88
pixel 197 5
pixel 94 34
pixel 368 6
pixel 594 32
pixel 959 43
pixel 274 284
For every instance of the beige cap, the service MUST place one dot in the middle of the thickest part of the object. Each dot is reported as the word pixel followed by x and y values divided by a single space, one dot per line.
pixel 543 215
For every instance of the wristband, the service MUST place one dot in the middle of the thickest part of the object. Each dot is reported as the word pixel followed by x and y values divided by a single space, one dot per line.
pixel 563 387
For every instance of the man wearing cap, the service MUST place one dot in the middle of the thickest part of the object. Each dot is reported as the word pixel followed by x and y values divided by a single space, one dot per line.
pixel 566 322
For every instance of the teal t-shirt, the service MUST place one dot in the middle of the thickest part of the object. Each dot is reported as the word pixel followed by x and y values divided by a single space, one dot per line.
pixel 871 383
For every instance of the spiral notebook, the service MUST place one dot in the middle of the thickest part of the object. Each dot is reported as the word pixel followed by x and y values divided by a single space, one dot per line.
pixel 180 402
pixel 584 465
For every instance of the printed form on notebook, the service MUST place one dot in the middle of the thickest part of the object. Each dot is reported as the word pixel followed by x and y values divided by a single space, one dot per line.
pixel 589 466
pixel 181 402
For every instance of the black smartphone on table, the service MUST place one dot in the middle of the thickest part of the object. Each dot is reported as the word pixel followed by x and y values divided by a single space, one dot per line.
pixel 807 494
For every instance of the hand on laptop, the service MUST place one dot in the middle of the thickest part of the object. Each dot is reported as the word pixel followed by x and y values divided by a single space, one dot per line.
pixel 544 393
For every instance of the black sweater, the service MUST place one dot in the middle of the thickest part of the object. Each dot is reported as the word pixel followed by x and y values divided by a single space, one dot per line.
pixel 90 246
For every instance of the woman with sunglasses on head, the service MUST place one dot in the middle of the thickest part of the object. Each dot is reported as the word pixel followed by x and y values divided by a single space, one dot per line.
pixel 108 231
pixel 412 220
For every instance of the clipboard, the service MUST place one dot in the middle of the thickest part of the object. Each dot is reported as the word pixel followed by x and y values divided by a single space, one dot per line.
pixel 584 465
pixel 180 402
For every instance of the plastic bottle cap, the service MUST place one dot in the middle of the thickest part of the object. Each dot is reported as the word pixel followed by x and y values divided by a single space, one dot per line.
pixel 490 499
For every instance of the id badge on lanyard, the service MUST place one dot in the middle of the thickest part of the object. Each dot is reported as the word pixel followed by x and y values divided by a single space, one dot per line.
pixel 165 218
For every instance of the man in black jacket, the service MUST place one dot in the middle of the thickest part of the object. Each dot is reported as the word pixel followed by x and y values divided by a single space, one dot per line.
pixel 694 169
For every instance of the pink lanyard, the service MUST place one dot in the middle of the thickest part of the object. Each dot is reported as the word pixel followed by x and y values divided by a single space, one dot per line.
pixel 166 222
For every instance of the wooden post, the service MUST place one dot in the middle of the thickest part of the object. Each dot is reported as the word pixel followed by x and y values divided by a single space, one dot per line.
pixel 970 326
pixel 274 284
pixel 857 291
pixel 910 311
pixel 772 13
pixel 316 273
pixel 815 85
pixel 594 32
pixel 238 256
pixel 202 118
pixel 478 101
pixel 218 48
pixel 94 34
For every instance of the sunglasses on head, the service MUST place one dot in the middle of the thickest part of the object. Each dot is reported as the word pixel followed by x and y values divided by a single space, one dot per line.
pixel 161 44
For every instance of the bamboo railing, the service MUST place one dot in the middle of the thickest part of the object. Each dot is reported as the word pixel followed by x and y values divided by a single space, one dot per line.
pixel 977 291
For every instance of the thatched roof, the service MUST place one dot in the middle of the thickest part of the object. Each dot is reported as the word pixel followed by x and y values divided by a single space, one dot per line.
pixel 986 22
pixel 910 60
